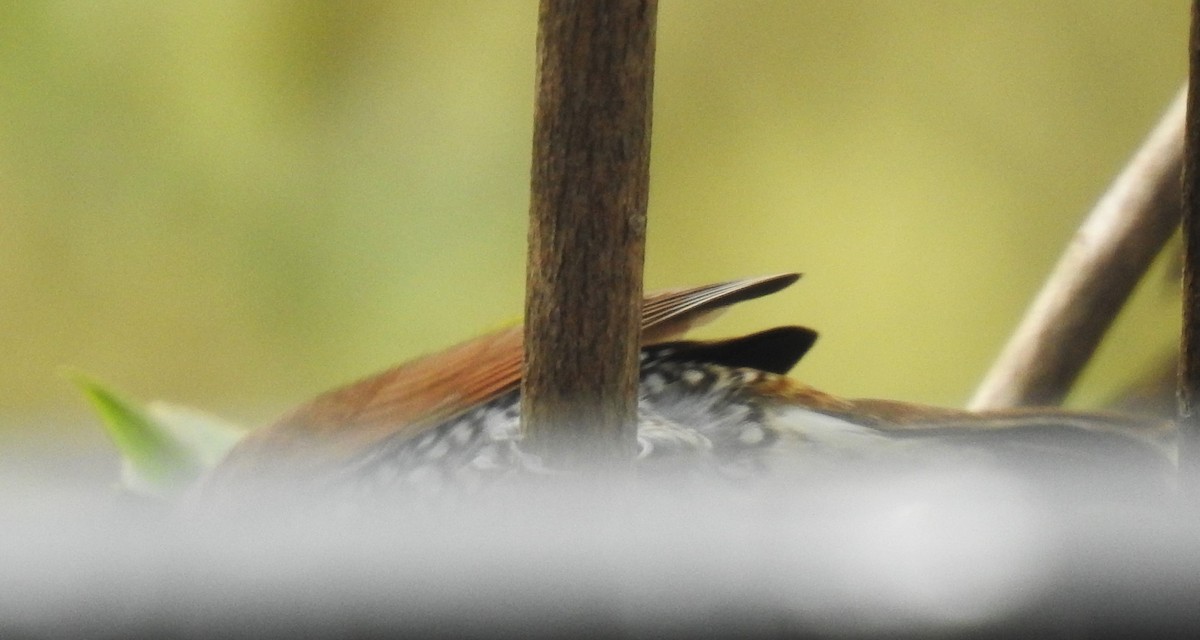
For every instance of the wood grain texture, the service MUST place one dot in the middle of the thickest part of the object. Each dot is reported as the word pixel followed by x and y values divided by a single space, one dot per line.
pixel 587 229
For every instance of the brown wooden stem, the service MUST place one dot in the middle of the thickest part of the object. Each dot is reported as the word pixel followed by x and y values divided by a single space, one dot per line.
pixel 587 228
pixel 1094 277
pixel 1189 360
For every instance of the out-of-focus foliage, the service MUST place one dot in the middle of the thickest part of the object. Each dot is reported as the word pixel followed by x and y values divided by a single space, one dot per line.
pixel 164 448
pixel 234 205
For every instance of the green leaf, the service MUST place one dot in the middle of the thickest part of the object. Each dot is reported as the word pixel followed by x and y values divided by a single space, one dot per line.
pixel 208 437
pixel 164 448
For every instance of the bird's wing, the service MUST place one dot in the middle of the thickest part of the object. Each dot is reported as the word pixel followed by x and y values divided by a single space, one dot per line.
pixel 411 398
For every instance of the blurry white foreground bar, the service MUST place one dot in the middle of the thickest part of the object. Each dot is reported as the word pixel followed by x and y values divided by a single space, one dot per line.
pixel 962 553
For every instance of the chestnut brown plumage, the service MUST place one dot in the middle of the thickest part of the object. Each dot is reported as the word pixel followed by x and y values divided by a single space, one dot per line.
pixel 725 407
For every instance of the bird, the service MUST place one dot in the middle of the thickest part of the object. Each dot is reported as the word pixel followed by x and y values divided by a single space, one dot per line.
pixel 449 422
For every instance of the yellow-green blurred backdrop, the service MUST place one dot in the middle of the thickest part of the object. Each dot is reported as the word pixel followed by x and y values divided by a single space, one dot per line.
pixel 234 205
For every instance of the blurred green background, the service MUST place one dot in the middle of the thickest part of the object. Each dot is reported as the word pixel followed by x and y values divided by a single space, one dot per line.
pixel 234 205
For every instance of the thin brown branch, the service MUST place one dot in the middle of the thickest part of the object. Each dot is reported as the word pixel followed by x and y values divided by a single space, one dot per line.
pixel 587 228
pixel 1094 277
pixel 1189 348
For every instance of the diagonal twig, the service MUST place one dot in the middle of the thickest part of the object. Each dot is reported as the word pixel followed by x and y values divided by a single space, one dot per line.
pixel 1094 277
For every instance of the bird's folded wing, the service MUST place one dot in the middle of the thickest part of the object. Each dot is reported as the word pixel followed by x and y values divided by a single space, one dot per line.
pixel 411 398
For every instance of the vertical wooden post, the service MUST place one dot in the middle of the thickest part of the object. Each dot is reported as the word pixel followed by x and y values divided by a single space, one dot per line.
pixel 587 229
pixel 1189 361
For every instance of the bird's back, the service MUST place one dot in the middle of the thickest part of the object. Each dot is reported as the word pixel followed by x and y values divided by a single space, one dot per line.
pixel 722 410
